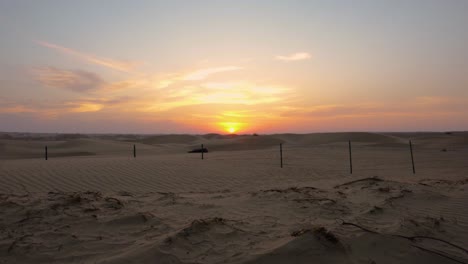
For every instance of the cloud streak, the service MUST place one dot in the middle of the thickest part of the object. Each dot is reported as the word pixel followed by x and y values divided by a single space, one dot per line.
pixel 205 73
pixel 124 66
pixel 73 80
pixel 53 110
pixel 239 93
pixel 419 106
pixel 294 57
pixel 193 76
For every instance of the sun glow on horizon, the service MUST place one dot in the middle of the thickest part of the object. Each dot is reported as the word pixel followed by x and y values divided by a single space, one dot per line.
pixel 231 127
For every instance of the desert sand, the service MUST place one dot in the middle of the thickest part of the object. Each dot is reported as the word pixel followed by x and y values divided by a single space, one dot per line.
pixel 93 202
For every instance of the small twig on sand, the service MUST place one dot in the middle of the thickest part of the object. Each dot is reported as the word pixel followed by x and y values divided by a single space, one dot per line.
pixel 440 254
pixel 412 238
pixel 358 226
pixel 365 179
pixel 315 200
pixel 117 201
pixel 13 244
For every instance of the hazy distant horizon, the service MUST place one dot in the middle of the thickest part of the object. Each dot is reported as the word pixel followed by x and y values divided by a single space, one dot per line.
pixel 227 134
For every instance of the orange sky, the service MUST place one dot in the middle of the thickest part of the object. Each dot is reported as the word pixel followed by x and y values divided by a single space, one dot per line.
pixel 229 68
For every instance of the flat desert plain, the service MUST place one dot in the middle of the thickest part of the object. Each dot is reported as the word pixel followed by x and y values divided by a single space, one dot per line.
pixel 93 202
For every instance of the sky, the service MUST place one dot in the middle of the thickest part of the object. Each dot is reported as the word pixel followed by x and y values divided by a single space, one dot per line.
pixel 233 66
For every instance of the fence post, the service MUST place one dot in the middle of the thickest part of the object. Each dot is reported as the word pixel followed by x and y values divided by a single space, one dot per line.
pixel 134 150
pixel 45 153
pixel 350 158
pixel 281 155
pixel 412 158
pixel 202 150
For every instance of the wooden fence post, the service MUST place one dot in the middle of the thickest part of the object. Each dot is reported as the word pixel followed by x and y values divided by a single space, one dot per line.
pixel 350 158
pixel 412 158
pixel 281 155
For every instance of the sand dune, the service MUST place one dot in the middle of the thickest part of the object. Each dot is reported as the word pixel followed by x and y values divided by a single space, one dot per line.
pixel 168 139
pixel 74 147
pixel 240 143
pixel 326 138
pixel 237 205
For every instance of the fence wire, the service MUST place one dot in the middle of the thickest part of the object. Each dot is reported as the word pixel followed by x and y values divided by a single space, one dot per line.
pixel 323 158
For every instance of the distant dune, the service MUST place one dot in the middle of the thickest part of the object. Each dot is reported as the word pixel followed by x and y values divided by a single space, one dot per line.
pixel 170 139
pixel 31 145
pixel 244 142
pixel 327 138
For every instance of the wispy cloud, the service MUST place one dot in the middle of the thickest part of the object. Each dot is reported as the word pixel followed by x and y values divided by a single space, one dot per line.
pixel 294 57
pixel 52 110
pixel 192 76
pixel 228 93
pixel 98 104
pixel 74 80
pixel 124 66
pixel 17 109
pixel 419 106
pixel 85 81
pixel 205 73
pixel 85 107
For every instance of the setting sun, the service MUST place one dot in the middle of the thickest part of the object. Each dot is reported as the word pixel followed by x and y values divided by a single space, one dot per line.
pixel 231 127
